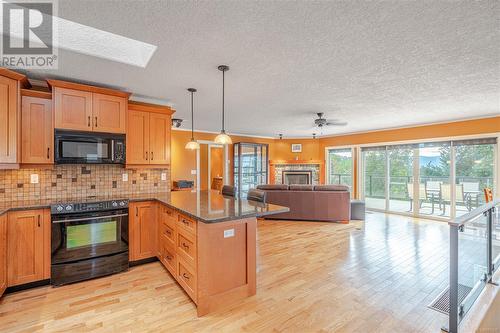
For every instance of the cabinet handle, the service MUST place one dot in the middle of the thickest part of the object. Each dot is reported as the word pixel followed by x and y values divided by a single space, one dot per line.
pixel 169 257
pixel 48 153
pixel 136 211
pixel 146 156
pixel 185 222
pixel 185 245
pixel 39 220
pixel 185 276
pixel 152 156
pixel 88 122
pixel 95 121
pixel 168 232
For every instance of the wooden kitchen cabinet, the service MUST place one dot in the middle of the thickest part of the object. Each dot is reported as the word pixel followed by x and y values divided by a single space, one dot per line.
pixel 138 137
pixel 10 117
pixel 73 109
pixel 28 246
pixel 87 108
pixel 109 113
pixel 148 134
pixel 142 230
pixel 3 253
pixel 159 138
pixel 37 131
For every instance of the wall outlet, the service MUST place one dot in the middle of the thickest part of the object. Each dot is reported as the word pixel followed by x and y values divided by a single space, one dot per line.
pixel 163 176
pixel 228 233
pixel 125 177
pixel 193 172
pixel 34 178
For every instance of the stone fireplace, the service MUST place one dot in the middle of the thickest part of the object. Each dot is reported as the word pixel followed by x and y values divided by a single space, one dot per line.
pixel 296 172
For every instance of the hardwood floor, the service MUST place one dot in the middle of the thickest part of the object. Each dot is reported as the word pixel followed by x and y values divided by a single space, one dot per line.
pixel 376 276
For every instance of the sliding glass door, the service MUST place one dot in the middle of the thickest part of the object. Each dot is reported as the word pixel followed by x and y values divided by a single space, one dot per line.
pixel 474 170
pixel 340 166
pixel 401 187
pixel 375 176
pixel 436 179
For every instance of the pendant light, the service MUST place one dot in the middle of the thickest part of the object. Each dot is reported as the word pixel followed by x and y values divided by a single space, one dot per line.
pixel 192 144
pixel 223 138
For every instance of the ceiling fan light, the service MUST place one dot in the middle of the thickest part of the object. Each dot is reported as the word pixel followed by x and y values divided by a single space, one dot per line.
pixel 223 139
pixel 192 145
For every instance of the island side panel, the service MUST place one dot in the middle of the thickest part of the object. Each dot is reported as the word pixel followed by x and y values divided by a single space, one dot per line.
pixel 226 263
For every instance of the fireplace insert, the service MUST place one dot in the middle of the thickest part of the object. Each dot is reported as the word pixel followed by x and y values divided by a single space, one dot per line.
pixel 297 177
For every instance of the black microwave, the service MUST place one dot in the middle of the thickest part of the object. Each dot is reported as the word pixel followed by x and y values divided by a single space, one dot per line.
pixel 71 147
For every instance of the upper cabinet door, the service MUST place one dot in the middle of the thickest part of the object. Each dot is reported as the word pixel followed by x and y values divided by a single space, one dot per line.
pixel 37 131
pixel 159 138
pixel 109 113
pixel 73 109
pixel 138 137
pixel 9 120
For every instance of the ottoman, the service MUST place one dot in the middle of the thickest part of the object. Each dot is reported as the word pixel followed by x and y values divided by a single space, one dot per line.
pixel 357 210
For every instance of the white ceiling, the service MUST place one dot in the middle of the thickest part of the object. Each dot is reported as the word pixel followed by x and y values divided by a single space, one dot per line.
pixel 373 64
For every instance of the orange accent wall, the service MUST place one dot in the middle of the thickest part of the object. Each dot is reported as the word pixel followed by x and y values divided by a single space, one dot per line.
pixel 183 161
pixel 459 128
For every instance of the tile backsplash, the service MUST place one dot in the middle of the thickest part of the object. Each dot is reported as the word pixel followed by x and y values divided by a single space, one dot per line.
pixel 80 181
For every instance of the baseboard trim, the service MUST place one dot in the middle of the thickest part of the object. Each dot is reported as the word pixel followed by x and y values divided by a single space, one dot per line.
pixel 29 285
pixel 142 261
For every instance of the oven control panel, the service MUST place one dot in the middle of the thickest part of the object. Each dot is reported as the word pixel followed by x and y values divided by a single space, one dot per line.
pixel 88 206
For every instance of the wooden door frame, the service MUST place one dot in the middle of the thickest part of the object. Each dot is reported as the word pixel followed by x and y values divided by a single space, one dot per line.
pixel 225 168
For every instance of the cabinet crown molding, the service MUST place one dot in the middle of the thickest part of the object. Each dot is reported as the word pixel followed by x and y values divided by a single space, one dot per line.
pixel 15 76
pixel 84 87
pixel 148 107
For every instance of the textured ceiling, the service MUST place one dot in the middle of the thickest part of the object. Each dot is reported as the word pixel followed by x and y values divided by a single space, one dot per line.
pixel 373 64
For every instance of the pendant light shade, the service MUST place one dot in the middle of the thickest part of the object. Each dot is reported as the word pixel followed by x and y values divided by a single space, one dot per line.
pixel 192 144
pixel 223 138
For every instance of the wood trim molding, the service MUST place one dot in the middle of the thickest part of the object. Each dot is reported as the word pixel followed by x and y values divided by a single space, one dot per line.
pixel 147 166
pixel 148 107
pixel 274 162
pixel 36 93
pixel 15 76
pixel 84 87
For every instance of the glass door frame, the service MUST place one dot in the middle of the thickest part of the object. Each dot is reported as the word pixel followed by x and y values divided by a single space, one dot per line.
pixel 354 158
pixel 416 173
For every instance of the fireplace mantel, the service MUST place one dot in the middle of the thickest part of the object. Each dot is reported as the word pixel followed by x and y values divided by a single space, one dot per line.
pixel 274 163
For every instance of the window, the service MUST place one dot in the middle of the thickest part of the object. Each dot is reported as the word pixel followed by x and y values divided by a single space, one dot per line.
pixel 340 165
pixel 374 176
pixel 441 179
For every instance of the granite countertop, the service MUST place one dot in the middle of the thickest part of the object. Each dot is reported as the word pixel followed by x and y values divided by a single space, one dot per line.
pixel 206 206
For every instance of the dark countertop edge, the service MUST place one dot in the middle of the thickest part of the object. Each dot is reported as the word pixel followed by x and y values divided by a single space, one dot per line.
pixel 215 220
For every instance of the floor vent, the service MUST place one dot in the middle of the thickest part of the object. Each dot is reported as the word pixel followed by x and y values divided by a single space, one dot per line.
pixel 442 302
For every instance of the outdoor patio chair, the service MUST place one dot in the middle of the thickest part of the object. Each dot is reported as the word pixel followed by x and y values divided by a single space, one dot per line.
pixel 471 193
pixel 422 195
pixel 446 196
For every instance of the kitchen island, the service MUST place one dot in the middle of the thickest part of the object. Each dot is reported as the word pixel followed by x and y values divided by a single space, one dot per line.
pixel 205 240
pixel 208 243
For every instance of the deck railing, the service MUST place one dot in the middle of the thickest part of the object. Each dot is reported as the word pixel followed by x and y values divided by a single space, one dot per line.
pixel 474 257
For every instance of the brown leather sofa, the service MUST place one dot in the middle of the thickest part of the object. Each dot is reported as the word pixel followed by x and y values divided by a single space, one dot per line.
pixel 307 202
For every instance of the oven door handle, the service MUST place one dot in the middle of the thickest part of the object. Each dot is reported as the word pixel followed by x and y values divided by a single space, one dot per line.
pixel 89 218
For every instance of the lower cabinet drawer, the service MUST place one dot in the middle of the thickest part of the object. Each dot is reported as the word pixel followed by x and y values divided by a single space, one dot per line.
pixel 168 233
pixel 186 248
pixel 187 278
pixel 169 258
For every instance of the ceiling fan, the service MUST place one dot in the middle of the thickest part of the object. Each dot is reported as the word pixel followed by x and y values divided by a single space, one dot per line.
pixel 320 121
